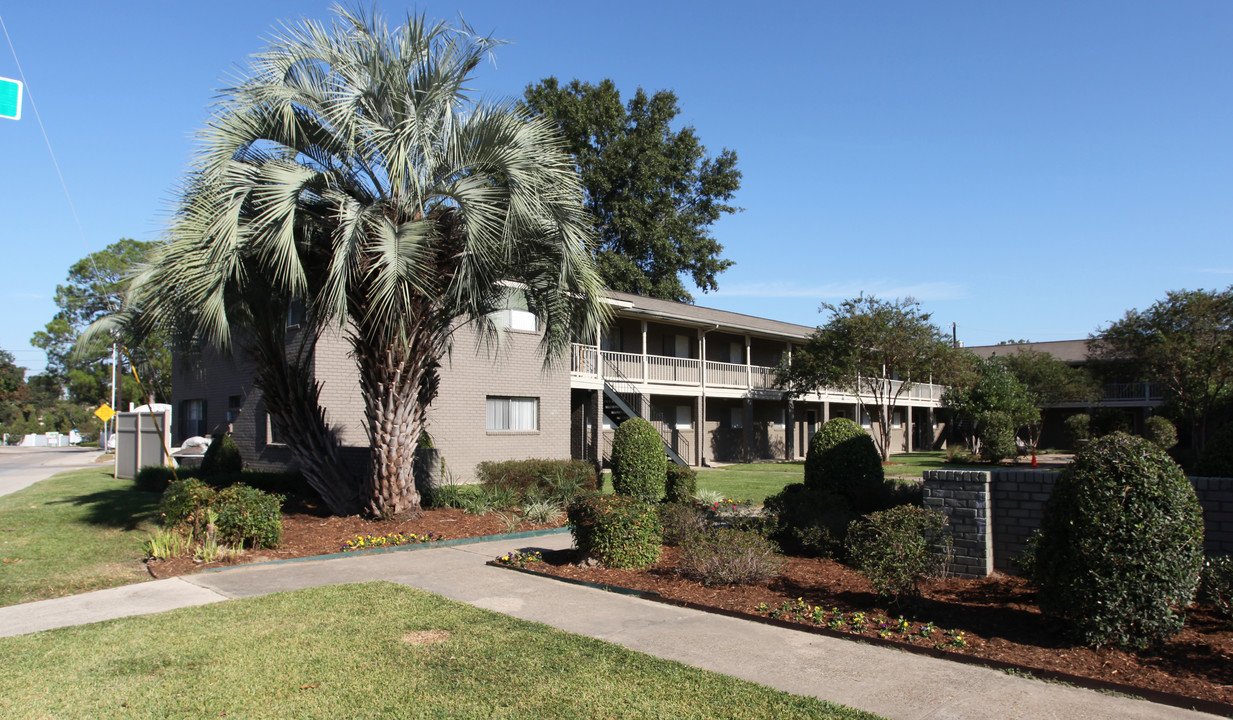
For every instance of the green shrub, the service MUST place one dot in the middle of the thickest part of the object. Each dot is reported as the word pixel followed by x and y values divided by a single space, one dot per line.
pixel 619 531
pixel 539 479
pixel 639 464
pixel 729 557
pixel 156 478
pixel 682 521
pixel 997 437
pixel 279 483
pixel 221 457
pixel 184 504
pixel 1121 544
pixel 680 484
pixel 1109 420
pixel 1159 430
pixel 1078 428
pixel 843 460
pixel 248 516
pixel 1216 586
pixel 1217 457
pixel 808 521
pixel 896 548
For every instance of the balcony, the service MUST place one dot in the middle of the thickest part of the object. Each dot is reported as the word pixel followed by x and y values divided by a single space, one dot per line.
pixel 591 367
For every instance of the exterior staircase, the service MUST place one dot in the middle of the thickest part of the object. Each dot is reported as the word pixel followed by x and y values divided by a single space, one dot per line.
pixel 619 406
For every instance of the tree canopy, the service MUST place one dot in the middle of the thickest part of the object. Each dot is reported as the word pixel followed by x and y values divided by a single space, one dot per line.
pixel 95 287
pixel 875 349
pixel 995 401
pixel 653 191
pixel 1184 343
pixel 350 170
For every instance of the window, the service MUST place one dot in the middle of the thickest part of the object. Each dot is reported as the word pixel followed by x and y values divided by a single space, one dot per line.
pixel 781 422
pixel 513 414
pixel 676 346
pixel 897 418
pixel 515 315
pixel 736 353
pixel 866 422
pixel 272 434
pixel 193 422
pixel 295 314
pixel 738 418
pixel 233 407
pixel 684 417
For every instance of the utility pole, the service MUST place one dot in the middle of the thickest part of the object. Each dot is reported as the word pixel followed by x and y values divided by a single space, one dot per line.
pixel 113 392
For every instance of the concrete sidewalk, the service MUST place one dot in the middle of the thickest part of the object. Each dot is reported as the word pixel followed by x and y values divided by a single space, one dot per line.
pixel 883 681
pixel 21 467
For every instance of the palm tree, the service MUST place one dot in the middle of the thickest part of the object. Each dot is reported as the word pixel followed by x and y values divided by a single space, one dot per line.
pixel 349 170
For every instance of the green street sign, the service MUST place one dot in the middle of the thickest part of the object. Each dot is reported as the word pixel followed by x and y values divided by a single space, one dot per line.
pixel 10 99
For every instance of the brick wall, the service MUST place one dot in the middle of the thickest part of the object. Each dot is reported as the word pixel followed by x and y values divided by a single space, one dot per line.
pixel 963 496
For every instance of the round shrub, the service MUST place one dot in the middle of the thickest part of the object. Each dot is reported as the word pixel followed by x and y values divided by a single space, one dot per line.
pixel 184 503
pixel 729 557
pixel 1121 544
pixel 809 522
pixel 896 548
pixel 221 457
pixel 1078 428
pixel 843 460
pixel 249 516
pixel 1159 430
pixel 619 531
pixel 680 484
pixel 1217 457
pixel 639 464
pixel 1216 586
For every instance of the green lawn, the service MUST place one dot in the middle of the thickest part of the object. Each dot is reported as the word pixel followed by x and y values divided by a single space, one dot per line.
pixel 754 481
pixel 78 531
pixel 373 650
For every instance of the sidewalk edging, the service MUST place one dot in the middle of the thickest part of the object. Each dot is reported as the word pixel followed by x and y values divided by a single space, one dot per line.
pixel 397 548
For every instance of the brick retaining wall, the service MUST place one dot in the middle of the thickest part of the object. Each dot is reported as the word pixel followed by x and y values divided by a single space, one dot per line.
pixel 993 513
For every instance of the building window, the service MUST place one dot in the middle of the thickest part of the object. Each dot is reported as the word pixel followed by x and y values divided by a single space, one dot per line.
pixel 273 436
pixel 676 346
pixel 295 314
pixel 684 417
pixel 866 422
pixel 233 407
pixel 737 418
pixel 516 314
pixel 193 415
pixel 897 418
pixel 513 414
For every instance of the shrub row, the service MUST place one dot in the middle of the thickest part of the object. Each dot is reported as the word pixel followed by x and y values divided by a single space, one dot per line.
pixel 540 479
pixel 619 531
pixel 243 514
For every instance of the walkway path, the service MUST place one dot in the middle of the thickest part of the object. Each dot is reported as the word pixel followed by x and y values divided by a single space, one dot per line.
pixel 888 682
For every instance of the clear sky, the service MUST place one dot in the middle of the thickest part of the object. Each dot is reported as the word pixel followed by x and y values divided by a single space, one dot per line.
pixel 1024 169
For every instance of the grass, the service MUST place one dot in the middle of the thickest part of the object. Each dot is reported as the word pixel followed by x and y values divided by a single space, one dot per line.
pixel 372 650
pixel 78 531
pixel 753 481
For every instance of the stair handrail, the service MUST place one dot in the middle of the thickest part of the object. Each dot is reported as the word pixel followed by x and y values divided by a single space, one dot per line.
pixel 656 416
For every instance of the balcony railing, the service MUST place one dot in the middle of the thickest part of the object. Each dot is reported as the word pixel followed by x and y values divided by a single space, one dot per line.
pixel 1132 391
pixel 637 369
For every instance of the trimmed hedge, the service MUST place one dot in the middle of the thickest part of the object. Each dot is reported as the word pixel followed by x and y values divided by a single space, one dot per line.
pixel 156 478
pixel 221 457
pixel 843 460
pixel 619 531
pixel 1121 544
pixel 1161 431
pixel 681 484
pixel 539 479
pixel 249 516
pixel 639 463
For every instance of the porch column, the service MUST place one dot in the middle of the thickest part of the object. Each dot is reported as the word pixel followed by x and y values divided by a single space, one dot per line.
pixel 789 428
pixel 699 430
pixel 645 377
pixel 748 428
pixel 596 440
pixel 910 427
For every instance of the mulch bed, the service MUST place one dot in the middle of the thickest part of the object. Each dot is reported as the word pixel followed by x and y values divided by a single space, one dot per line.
pixel 309 530
pixel 998 616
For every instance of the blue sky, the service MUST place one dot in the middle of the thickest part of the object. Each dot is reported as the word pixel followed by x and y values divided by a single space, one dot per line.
pixel 1024 169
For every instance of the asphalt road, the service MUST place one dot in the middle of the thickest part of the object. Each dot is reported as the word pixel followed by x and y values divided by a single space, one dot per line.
pixel 21 467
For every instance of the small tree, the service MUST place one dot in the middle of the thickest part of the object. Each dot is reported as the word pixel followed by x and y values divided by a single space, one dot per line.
pixel 842 460
pixel 1121 544
pixel 992 408
pixel 1048 382
pixel 639 464
pixel 874 349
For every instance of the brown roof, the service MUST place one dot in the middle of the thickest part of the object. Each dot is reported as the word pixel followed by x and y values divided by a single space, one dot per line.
pixel 697 316
pixel 1068 351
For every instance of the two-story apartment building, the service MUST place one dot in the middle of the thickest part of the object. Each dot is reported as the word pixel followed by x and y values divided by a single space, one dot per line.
pixel 705 378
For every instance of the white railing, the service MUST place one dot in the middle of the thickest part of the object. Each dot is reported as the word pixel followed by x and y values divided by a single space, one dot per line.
pixel 676 371
pixel 729 375
pixel 762 377
pixel 1132 391
pixel 626 365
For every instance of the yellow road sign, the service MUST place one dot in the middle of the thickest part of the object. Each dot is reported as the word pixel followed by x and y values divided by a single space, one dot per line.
pixel 105 412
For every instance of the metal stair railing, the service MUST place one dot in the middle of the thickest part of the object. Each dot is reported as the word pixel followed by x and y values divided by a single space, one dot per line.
pixel 656 418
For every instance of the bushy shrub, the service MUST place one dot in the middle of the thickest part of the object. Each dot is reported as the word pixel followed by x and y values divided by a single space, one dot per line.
pixel 729 557
pixel 249 516
pixel 997 437
pixel 221 457
pixel 1216 586
pixel 681 521
pixel 184 504
pixel 540 479
pixel 896 548
pixel 843 460
pixel 1077 428
pixel 619 531
pixel 156 478
pixel 681 483
pixel 280 483
pixel 1217 457
pixel 1121 544
pixel 639 464
pixel 809 522
pixel 1161 431
pixel 1109 420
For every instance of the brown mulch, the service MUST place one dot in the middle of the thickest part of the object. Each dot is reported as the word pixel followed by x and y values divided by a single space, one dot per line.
pixel 997 614
pixel 309 530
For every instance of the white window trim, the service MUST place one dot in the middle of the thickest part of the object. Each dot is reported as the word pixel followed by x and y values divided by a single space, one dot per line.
pixel 509 414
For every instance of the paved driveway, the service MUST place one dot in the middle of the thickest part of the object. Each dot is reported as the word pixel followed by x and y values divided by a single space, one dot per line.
pixel 21 467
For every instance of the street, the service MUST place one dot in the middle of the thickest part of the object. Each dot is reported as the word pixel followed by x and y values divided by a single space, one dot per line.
pixel 21 466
